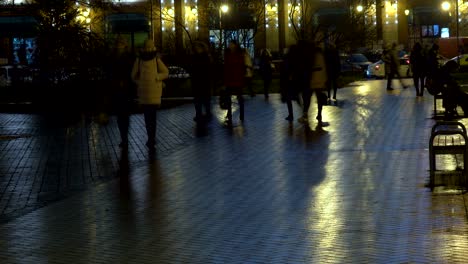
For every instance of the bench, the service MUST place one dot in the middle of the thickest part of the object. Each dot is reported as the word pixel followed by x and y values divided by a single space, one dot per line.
pixel 447 137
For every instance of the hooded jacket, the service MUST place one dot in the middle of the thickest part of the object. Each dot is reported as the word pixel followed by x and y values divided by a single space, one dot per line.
pixel 149 72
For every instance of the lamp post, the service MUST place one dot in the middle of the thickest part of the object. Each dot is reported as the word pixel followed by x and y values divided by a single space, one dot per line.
pixel 222 9
pixel 446 7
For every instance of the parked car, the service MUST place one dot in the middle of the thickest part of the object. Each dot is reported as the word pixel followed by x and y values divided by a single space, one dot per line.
pixel 9 72
pixel 463 59
pixel 355 62
pixel 378 69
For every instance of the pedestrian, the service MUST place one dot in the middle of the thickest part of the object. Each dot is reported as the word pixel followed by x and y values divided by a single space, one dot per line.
pixel 319 80
pixel 266 70
pixel 332 58
pixel 248 72
pixel 392 64
pixel 432 62
pixel 123 89
pixel 288 80
pixel 201 78
pixel 418 63
pixel 302 68
pixel 149 72
pixel 234 78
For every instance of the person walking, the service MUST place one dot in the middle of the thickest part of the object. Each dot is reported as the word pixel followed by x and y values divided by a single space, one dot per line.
pixel 288 80
pixel 392 64
pixel 123 88
pixel 149 72
pixel 319 80
pixel 332 58
pixel 248 73
pixel 201 79
pixel 302 68
pixel 418 62
pixel 234 78
pixel 266 70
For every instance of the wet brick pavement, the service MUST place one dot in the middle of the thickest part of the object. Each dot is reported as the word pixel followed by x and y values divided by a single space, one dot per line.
pixel 264 192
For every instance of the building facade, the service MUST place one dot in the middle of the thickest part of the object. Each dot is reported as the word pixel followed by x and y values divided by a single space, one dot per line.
pixel 256 24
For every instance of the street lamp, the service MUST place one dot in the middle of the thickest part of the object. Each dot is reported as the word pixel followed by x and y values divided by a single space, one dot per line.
pixel 222 9
pixel 359 8
pixel 446 6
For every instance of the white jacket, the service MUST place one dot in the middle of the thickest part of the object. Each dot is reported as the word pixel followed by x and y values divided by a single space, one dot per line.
pixel 149 76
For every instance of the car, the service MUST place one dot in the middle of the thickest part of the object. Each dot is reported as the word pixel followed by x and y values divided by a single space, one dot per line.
pixel 462 59
pixel 378 69
pixel 176 72
pixel 355 62
pixel 8 72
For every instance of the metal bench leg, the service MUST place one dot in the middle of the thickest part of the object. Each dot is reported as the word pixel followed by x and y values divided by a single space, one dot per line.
pixel 432 168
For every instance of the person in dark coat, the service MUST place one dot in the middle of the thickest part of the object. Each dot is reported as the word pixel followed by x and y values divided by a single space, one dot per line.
pixel 234 77
pixel 432 62
pixel 123 90
pixel 332 58
pixel 266 70
pixel 288 80
pixel 201 79
pixel 302 68
pixel 418 62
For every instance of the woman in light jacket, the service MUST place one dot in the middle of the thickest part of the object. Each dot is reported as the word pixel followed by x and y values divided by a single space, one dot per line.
pixel 318 80
pixel 149 72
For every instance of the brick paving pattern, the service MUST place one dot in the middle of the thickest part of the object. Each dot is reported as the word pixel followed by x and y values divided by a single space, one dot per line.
pixel 264 192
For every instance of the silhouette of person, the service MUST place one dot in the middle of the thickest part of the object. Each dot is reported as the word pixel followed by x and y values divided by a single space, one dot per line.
pixel 392 64
pixel 149 72
pixel 266 70
pixel 418 63
pixel 302 66
pixel 332 58
pixel 289 81
pixel 234 77
pixel 120 69
pixel 201 79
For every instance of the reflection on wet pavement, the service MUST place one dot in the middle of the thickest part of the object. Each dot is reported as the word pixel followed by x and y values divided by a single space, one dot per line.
pixel 265 191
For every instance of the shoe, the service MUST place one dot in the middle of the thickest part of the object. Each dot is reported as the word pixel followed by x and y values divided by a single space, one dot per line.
pixel 197 119
pixel 405 87
pixel 390 89
pixel 290 118
pixel 303 120
pixel 319 118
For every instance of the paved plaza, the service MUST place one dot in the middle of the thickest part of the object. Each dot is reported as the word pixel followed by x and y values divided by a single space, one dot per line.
pixel 265 191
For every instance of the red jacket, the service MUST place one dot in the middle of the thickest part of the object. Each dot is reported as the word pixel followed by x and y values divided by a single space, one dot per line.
pixel 234 69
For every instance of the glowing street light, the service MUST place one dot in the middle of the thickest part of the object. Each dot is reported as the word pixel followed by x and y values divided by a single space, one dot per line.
pixel 445 6
pixel 224 8
pixel 359 8
pixel 406 12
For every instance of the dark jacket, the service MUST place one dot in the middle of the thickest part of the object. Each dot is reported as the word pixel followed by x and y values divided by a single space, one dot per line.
pixel 418 62
pixel 201 73
pixel 234 68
